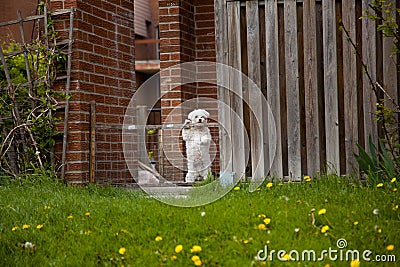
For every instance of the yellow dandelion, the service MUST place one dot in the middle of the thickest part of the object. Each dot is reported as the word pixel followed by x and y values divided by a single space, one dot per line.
pixel 269 185
pixel 116 234
pixel 258 189
pixel 379 230
pixel 124 231
pixel 393 180
pixel 70 217
pixel 355 263
pixel 236 188
pixel 245 241
pixel 178 248
pixel 195 249
pixel 15 228
pixel 355 223
pixel 327 265
pixel 321 211
pixel 390 247
pixel 379 185
pixel 198 263
pixel 262 216
pixel 286 257
pixel 267 221
pixel 174 257
pixel 158 238
pixel 395 189
pixel 122 251
pixel 195 258
pixel 307 178
pixel 87 214
pixel 324 229
pixel 25 226
pixel 46 207
pixel 395 207
pixel 262 226
pixel 39 226
pixel 299 201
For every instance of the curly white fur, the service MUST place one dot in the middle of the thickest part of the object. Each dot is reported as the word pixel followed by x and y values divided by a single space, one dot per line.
pixel 197 137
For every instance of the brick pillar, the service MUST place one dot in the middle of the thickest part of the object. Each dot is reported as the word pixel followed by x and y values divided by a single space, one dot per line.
pixel 186 34
pixel 102 70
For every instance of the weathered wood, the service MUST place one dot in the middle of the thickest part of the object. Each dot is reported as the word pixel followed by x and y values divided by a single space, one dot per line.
pixel 389 65
pixel 225 129
pixel 292 91
pixel 369 58
pixel 330 85
pixel 350 85
pixel 235 85
pixel 311 87
pixel 92 159
pixel 258 147
pixel 273 88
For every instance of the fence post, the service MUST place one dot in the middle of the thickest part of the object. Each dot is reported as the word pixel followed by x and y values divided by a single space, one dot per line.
pixel 141 116
pixel 92 141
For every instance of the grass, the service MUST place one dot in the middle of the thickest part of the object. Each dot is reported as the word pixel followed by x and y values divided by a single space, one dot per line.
pixel 91 226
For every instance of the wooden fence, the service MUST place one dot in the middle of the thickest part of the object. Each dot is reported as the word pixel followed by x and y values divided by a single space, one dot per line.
pixel 302 60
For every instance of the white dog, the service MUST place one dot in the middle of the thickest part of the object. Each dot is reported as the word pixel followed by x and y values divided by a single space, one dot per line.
pixel 197 137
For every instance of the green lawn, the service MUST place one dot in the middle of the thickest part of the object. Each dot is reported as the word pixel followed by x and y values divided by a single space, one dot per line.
pixel 70 226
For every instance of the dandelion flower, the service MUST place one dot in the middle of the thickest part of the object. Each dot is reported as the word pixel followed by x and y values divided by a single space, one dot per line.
pixel 25 226
pixel 198 263
pixel 124 231
pixel 262 226
pixel 195 249
pixel 390 247
pixel 262 216
pixel 178 248
pixel 174 257
pixel 379 185
pixel 355 223
pixel 395 189
pixel 307 178
pixel 158 238
pixel 245 241
pixel 14 228
pixel 299 201
pixel 267 221
pixel 87 214
pixel 258 189
pixel 395 207
pixel 324 229
pixel 321 211
pixel 236 188
pixel 39 226
pixel 46 207
pixel 379 230
pixel 355 263
pixel 195 258
pixel 393 180
pixel 70 217
pixel 286 257
pixel 122 251
pixel 269 185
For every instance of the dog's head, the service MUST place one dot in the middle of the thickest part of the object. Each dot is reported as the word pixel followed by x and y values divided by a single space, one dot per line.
pixel 198 116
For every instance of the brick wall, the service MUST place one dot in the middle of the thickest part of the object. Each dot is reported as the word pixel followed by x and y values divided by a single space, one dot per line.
pixel 187 33
pixel 102 70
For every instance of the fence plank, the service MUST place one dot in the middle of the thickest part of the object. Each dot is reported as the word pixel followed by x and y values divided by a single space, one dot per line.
pixel 255 94
pixel 292 90
pixel 369 58
pixel 330 85
pixel 221 26
pixel 389 65
pixel 273 90
pixel 311 87
pixel 350 84
pixel 235 84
